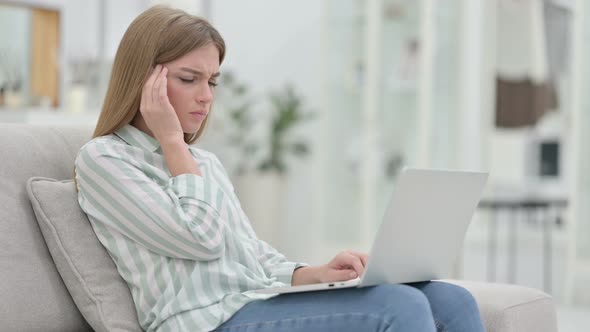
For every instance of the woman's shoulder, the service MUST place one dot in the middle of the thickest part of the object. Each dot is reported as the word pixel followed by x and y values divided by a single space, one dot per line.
pixel 202 153
pixel 102 145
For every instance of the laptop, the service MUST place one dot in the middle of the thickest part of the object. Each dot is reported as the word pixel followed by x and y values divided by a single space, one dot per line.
pixel 422 231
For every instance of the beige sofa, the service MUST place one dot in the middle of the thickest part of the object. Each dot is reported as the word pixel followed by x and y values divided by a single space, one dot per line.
pixel 37 294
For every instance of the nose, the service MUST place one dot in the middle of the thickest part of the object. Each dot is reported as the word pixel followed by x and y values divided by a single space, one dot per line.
pixel 205 93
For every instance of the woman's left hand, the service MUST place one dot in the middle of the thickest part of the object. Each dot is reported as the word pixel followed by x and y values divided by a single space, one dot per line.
pixel 344 266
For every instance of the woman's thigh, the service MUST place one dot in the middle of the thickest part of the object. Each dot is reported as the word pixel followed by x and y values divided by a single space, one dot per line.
pixel 380 308
pixel 453 307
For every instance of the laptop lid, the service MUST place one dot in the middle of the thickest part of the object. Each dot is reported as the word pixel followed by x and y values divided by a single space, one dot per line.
pixel 422 231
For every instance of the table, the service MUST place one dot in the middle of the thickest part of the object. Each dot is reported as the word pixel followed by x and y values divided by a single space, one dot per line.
pixel 547 209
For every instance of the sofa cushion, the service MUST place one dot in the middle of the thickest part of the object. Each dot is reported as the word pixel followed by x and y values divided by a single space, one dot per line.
pixel 511 308
pixel 88 271
pixel 39 300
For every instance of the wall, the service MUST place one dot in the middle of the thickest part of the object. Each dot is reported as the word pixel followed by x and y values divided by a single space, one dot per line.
pixel 14 42
pixel 270 43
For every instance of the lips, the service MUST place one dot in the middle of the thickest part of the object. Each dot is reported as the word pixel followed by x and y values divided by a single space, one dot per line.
pixel 199 116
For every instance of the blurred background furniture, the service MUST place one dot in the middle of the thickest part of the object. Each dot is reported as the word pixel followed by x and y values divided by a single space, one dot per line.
pixel 544 211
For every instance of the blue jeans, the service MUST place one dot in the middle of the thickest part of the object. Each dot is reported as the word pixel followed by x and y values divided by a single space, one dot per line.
pixel 425 306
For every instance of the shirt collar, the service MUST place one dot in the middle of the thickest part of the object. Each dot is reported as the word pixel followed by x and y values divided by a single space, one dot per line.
pixel 137 138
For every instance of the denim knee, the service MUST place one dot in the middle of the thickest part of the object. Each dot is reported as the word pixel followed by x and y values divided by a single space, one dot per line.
pixel 459 295
pixel 405 308
pixel 465 296
pixel 469 306
pixel 453 307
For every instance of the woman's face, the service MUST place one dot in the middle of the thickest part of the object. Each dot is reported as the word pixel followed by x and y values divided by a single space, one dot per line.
pixel 191 85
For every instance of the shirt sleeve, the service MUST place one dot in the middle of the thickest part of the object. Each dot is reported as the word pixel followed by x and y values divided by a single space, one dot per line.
pixel 275 264
pixel 178 219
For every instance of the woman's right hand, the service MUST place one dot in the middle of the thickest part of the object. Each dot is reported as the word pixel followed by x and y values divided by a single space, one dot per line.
pixel 344 266
pixel 156 110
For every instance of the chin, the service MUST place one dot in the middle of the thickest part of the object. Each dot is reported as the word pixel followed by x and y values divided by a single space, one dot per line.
pixel 191 129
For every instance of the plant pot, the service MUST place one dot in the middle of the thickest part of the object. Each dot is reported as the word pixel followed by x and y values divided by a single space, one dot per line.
pixel 77 96
pixel 13 99
pixel 262 198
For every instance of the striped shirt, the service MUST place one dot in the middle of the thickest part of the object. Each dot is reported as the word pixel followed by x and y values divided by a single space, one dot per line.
pixel 183 244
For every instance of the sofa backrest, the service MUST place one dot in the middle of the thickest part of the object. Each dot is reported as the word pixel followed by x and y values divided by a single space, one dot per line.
pixel 34 297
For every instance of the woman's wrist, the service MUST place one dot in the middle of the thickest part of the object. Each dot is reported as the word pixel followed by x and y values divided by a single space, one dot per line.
pixel 178 158
pixel 305 275
pixel 168 143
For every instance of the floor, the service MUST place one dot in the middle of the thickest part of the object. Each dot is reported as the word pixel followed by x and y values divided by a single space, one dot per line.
pixel 573 319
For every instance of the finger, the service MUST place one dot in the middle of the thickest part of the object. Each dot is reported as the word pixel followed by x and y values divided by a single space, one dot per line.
pixel 356 264
pixel 348 260
pixel 156 86
pixel 341 275
pixel 364 257
pixel 146 95
pixel 147 88
pixel 163 88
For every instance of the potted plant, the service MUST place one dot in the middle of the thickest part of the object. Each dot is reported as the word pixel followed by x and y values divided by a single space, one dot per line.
pixel 256 143
pixel 82 73
pixel 286 114
pixel 261 188
pixel 13 98
pixel 237 110
pixel 231 126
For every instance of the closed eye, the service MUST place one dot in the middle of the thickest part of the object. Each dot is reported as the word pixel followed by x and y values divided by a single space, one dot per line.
pixel 192 80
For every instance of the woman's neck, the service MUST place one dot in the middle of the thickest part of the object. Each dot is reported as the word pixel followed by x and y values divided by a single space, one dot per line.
pixel 140 124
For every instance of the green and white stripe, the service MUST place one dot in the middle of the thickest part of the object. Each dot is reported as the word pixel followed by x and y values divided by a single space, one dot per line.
pixel 183 244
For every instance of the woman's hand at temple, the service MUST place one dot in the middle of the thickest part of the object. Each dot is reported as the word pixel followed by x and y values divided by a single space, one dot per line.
pixel 156 110
pixel 344 266
pixel 161 120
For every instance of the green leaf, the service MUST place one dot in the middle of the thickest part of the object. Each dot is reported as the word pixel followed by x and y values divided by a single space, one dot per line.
pixel 299 148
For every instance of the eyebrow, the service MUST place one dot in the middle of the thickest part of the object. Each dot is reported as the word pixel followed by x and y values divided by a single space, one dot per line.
pixel 196 72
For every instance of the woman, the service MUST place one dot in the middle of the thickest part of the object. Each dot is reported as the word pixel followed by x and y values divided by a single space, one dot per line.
pixel 168 215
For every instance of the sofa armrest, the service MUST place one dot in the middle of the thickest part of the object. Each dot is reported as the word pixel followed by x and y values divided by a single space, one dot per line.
pixel 511 308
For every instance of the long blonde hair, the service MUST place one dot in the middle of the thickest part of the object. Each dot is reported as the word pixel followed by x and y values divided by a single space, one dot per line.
pixel 158 35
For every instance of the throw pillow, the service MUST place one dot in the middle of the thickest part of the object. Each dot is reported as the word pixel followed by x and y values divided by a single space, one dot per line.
pixel 85 266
